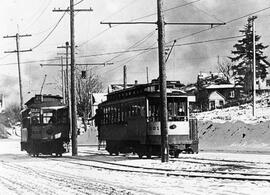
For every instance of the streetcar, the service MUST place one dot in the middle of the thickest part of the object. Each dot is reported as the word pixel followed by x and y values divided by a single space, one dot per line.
pixel 130 121
pixel 45 126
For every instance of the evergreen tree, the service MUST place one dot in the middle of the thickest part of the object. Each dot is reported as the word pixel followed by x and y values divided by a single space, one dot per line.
pixel 242 70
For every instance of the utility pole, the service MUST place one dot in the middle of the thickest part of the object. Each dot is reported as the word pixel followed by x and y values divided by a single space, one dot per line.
pixel 72 75
pixel 62 77
pixel 254 66
pixel 125 77
pixel 17 36
pixel 162 71
pixel 163 84
pixel 67 91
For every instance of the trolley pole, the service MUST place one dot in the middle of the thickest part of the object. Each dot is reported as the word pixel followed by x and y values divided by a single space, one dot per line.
pixel 17 36
pixel 147 75
pixel 125 77
pixel 163 84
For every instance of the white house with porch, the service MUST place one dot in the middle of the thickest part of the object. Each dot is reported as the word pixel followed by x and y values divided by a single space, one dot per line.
pixel 216 100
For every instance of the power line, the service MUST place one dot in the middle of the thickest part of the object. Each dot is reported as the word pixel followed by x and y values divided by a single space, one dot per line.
pixel 105 30
pixel 136 44
pixel 50 32
pixel 129 51
pixel 165 10
pixel 41 13
pixel 205 12
pixel 230 21
pixel 145 49
pixel 121 9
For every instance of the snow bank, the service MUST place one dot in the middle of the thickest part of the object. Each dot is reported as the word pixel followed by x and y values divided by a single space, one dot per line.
pixel 235 128
pixel 3 132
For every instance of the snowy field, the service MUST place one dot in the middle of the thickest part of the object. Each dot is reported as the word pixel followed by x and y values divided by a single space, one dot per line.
pixel 22 174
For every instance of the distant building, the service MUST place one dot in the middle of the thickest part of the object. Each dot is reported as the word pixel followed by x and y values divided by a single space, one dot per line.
pixel 97 98
pixel 214 90
pixel 2 102
pixel 44 100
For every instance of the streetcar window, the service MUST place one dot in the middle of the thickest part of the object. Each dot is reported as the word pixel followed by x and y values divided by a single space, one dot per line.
pixel 154 111
pixel 48 117
pixel 177 109
pixel 35 118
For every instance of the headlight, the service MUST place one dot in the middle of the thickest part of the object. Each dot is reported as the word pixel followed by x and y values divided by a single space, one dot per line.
pixel 57 136
pixel 173 126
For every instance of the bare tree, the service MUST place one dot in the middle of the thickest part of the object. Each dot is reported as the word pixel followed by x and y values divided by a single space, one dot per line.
pixel 87 84
pixel 225 67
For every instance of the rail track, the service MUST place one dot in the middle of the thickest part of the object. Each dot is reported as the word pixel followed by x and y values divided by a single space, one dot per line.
pixel 114 166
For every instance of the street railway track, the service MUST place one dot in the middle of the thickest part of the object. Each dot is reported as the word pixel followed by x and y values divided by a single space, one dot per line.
pixel 240 176
pixel 248 164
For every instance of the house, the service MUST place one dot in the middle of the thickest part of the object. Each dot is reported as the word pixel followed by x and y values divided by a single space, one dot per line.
pixel 216 100
pixel 97 98
pixel 219 95
pixel 214 91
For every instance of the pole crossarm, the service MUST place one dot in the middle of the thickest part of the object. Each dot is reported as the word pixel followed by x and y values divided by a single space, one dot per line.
pixel 110 23
pixel 64 47
pixel 15 51
pixel 170 23
pixel 196 23
pixel 89 64
pixel 96 64
pixel 75 10
pixel 64 53
pixel 18 51
pixel 14 36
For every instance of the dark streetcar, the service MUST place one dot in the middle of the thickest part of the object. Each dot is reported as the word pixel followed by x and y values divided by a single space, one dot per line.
pixel 129 121
pixel 45 126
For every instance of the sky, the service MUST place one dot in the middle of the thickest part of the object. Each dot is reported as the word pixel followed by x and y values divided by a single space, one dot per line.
pixel 95 40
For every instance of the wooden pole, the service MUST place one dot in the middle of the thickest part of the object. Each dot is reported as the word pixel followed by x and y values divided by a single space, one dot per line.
pixel 163 84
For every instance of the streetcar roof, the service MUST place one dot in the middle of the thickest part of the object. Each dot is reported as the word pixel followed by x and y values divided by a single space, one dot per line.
pixel 53 107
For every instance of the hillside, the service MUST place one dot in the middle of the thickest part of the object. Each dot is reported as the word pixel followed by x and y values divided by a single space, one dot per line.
pixel 235 128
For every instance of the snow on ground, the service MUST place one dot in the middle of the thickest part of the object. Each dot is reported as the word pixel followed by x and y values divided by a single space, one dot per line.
pixel 22 174
pixel 235 128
